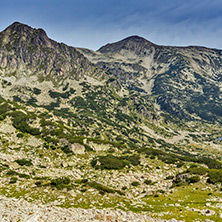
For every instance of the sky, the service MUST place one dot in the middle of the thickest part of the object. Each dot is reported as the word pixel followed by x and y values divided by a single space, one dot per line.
pixel 94 23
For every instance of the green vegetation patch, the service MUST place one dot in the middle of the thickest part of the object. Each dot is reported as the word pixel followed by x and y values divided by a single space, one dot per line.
pixel 101 188
pixel 198 170
pixel 20 120
pixel 24 162
pixel 113 162
pixel 215 176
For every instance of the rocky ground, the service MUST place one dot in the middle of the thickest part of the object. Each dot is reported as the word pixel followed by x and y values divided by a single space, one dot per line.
pixel 14 210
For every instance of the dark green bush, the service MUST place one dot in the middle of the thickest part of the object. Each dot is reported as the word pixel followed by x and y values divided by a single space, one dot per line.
pixel 14 173
pixel 20 122
pixel 135 183
pixel 113 162
pixel 124 188
pixel 61 182
pixel 198 170
pixel 11 173
pixel 148 182
pixel 24 162
pixel 194 179
pixel 215 176
pixel 66 149
pixel 13 180
pixel 36 91
pixel 178 181
pixel 103 189
pixel 38 183
pixel 25 176
pixel 20 135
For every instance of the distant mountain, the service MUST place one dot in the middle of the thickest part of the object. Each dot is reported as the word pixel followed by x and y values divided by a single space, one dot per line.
pixel 135 44
pixel 185 81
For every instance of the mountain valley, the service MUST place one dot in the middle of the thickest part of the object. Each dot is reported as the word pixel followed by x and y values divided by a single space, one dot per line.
pixel 130 132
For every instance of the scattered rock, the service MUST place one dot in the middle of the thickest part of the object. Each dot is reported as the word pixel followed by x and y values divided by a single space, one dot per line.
pixel 78 148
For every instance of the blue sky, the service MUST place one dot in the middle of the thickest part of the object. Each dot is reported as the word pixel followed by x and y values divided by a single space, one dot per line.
pixel 93 23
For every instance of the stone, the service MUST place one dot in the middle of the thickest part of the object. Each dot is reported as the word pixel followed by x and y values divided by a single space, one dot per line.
pixel 71 164
pixel 100 217
pixel 14 165
pixel 109 218
pixel 64 164
pixel 77 148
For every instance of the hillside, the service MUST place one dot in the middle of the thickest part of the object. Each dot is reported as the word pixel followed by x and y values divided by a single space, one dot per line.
pixel 184 81
pixel 109 130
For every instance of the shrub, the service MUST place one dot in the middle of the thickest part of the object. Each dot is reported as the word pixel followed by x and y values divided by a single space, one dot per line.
pixel 61 182
pixel 11 173
pixel 13 180
pixel 25 176
pixel 135 183
pixel 103 189
pixel 178 181
pixel 113 162
pixel 66 149
pixel 198 170
pixel 24 162
pixel 20 122
pixel 148 182
pixel 124 188
pixel 215 176
pixel 194 179
pixel 38 183
pixel 36 91
pixel 20 135
pixel 109 162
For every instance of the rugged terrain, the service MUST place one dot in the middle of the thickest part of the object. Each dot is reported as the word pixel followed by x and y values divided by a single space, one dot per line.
pixel 131 128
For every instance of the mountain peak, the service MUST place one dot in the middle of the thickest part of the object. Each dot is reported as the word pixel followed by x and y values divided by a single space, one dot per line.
pixel 132 43
pixel 17 26
pixel 22 33
pixel 136 38
pixel 23 28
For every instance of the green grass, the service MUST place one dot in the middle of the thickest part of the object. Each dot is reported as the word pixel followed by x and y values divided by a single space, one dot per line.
pixel 187 196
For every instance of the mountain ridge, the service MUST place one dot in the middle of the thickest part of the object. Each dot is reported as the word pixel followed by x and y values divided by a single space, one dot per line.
pixel 161 70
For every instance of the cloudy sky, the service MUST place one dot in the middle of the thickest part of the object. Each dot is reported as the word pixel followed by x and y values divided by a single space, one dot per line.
pixel 93 23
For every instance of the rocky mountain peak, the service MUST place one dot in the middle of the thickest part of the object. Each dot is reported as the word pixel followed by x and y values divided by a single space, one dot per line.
pixel 18 34
pixel 24 49
pixel 17 26
pixel 134 44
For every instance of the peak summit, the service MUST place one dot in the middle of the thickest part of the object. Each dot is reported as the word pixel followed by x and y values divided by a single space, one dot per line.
pixel 23 28
pixel 135 38
pixel 19 32
pixel 132 43
pixel 17 26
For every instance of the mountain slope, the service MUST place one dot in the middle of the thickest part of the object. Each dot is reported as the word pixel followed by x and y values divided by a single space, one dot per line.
pixel 185 81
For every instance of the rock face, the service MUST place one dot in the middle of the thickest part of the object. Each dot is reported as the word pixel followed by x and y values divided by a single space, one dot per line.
pixel 27 51
pixel 179 78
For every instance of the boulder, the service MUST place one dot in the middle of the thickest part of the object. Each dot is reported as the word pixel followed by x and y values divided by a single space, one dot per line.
pixel 77 148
